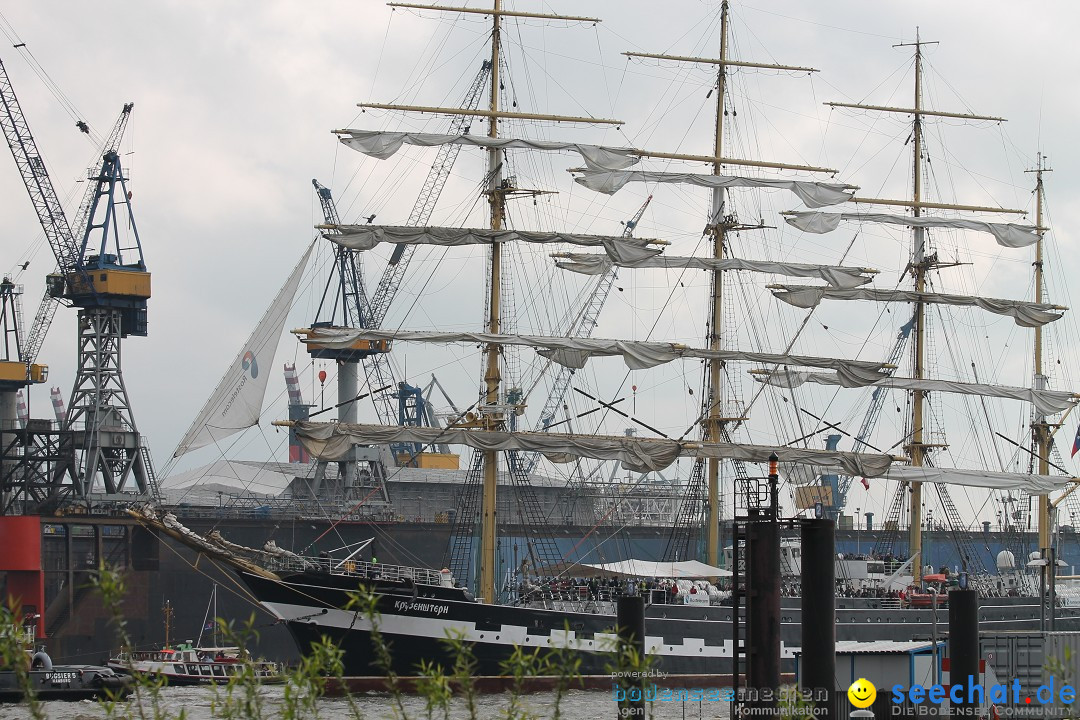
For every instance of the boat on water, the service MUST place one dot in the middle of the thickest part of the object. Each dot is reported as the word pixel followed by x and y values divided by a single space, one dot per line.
pixel 186 664
pixel 59 682
pixel 195 663
pixel 418 606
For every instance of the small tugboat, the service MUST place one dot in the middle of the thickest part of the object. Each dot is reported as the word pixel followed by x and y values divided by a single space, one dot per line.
pixel 192 663
pixel 60 682
pixel 189 665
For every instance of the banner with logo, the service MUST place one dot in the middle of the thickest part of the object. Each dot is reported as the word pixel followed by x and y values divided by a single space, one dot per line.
pixel 237 401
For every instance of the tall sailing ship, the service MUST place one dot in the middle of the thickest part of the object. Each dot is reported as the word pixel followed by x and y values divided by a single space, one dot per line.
pixel 469 597
pixel 708 304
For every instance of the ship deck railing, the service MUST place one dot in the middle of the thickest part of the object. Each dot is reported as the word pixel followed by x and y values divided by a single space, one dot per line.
pixel 358 569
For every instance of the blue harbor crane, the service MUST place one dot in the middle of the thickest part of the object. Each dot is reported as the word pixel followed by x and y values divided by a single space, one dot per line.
pixel 344 302
pixel 344 305
pixel 351 304
pixel 100 269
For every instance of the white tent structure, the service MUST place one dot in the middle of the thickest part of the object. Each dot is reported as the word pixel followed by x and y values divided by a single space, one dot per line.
pixel 686 569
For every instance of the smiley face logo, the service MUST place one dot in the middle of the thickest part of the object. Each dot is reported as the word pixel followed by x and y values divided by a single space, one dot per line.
pixel 862 693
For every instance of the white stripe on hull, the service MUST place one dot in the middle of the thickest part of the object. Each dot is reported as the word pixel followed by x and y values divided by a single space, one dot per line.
pixel 508 635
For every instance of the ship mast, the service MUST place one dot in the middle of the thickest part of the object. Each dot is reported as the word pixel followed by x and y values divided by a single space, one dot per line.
pixel 718 227
pixel 1040 429
pixel 492 377
pixel 492 415
pixel 921 264
pixel 713 396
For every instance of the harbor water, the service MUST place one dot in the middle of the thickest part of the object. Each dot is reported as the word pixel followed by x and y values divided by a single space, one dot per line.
pixel 198 702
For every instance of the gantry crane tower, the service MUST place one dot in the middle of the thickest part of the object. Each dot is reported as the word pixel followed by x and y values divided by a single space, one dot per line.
pixel 15 370
pixel 15 374
pixel 99 454
pixel 344 304
pixel 345 299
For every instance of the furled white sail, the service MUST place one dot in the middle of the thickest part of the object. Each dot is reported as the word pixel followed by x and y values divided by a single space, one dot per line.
pixel 366 237
pixel 1007 234
pixel 836 275
pixel 332 441
pixel 237 401
pixel 1035 484
pixel 1047 402
pixel 1026 314
pixel 575 352
pixel 383 144
pixel 812 194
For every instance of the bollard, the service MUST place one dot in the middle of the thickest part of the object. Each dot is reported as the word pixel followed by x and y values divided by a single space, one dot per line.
pixel 818 672
pixel 763 609
pixel 630 619
pixel 964 645
pixel 763 596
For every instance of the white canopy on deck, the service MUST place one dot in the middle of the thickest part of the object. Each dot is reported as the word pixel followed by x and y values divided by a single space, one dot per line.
pixel 650 569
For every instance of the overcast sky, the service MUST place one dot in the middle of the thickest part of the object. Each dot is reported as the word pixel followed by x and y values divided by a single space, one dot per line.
pixel 234 104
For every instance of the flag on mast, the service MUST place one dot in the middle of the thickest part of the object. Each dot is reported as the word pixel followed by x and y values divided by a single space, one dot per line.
pixel 1076 442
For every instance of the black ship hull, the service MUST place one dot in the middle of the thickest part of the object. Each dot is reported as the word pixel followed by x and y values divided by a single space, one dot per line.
pixel 415 619
pixel 63 552
pixel 67 682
